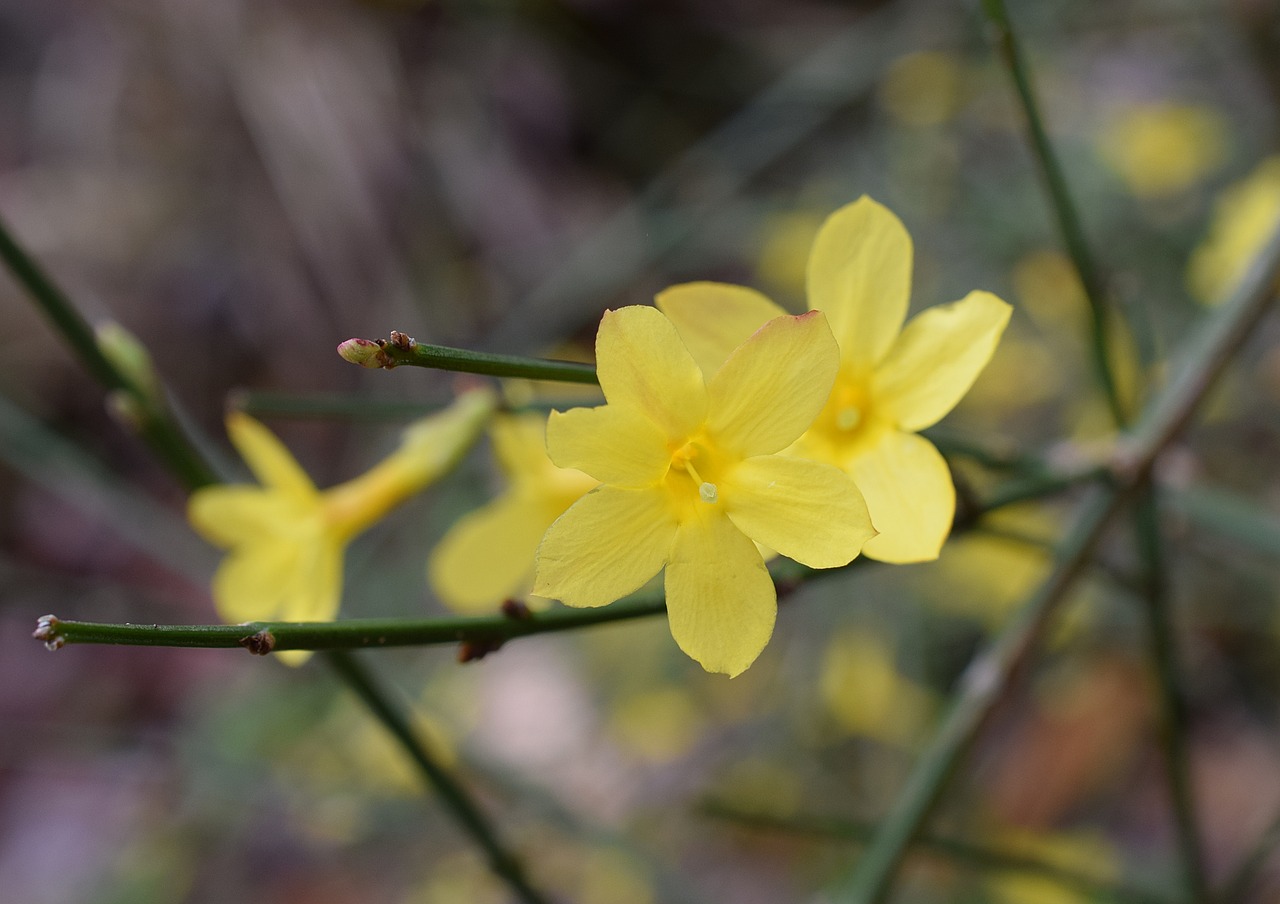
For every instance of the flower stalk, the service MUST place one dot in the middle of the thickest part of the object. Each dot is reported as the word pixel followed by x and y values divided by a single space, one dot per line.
pixel 402 349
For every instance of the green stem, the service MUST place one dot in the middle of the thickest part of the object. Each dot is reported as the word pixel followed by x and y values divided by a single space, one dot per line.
pixel 984 683
pixel 485 631
pixel 1175 727
pixel 980 857
pixel 402 349
pixel 347 634
pixel 1209 352
pixel 502 862
pixel 157 426
pixel 154 423
pixel 1007 46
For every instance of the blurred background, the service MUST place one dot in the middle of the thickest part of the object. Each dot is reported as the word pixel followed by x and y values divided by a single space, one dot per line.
pixel 243 185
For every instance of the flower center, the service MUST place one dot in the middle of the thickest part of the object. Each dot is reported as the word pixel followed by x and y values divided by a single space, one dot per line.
pixel 683 460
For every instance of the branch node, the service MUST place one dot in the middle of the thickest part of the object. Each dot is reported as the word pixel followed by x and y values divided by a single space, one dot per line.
pixel 259 644
pixel 516 610
pixel 47 630
pixel 473 650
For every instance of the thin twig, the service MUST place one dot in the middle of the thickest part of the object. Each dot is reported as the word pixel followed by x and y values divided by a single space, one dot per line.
pixel 977 856
pixel 263 637
pixel 1175 727
pixel 502 862
pixel 1068 219
pixel 154 422
pixel 175 449
pixel 1208 354
pixel 402 349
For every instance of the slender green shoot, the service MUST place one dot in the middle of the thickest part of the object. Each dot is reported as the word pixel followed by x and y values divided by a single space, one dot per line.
pixel 990 858
pixel 502 862
pixel 146 410
pixel 401 349
pixel 1068 219
pixel 1175 727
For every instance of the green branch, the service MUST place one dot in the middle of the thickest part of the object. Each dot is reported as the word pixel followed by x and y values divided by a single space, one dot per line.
pixel 401 349
pixel 1174 728
pixel 262 637
pixel 451 793
pixel 1007 46
pixel 146 409
pixel 988 676
pixel 976 856
pixel 144 403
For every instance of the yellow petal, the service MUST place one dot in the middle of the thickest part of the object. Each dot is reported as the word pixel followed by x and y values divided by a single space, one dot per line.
pixel 233 514
pixel 280 580
pixel 267 457
pixel 487 557
pixel 805 510
pixel 910 496
pixel 773 385
pixel 520 444
pixel 937 358
pixel 644 366
pixel 860 275
pixel 721 601
pixel 605 546
pixel 715 318
pixel 613 444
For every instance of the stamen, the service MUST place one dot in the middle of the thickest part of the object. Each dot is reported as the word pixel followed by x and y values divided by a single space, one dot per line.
pixel 708 492
pixel 848 418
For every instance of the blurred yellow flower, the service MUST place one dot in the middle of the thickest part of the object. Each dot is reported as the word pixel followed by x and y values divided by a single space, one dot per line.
pixel 922 88
pixel 1088 855
pixel 865 693
pixel 1243 219
pixel 1162 149
pixel 891 381
pixel 286 538
pixel 691 477
pixel 487 557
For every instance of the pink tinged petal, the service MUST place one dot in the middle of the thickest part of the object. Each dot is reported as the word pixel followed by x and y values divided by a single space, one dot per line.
pixel 721 602
pixel 267 457
pixel 937 358
pixel 715 318
pixel 487 557
pixel 773 385
pixel 613 444
pixel 860 275
pixel 608 544
pixel 805 510
pixel 644 366
pixel 910 496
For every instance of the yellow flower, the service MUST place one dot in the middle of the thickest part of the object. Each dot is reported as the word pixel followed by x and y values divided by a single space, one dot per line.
pixel 1244 217
pixel 691 476
pixel 1162 149
pixel 487 556
pixel 891 382
pixel 286 538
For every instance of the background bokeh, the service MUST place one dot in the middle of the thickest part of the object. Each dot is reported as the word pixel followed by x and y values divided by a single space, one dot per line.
pixel 244 184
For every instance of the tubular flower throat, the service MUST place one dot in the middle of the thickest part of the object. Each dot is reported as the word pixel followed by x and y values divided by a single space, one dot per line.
pixel 891 382
pixel 691 476
pixel 286 538
pixel 487 557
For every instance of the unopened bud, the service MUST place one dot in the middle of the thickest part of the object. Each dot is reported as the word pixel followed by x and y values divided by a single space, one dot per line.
pixel 130 357
pixel 364 352
pixel 125 408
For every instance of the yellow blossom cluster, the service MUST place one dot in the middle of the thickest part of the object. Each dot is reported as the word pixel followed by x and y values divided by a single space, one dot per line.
pixel 731 431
